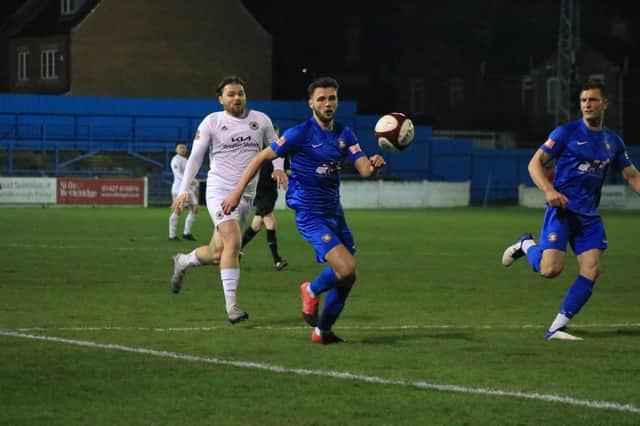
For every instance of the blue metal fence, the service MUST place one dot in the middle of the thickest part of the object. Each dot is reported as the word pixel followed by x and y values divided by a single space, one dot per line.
pixel 146 128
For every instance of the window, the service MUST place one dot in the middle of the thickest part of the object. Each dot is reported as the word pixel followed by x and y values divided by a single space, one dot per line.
pixel 553 95
pixel 23 60
pixel 66 7
pixel 416 96
pixel 48 64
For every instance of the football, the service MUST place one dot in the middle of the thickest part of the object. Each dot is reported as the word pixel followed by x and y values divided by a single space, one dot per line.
pixel 394 132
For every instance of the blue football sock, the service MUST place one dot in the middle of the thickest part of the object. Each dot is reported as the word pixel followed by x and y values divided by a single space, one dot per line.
pixel 534 256
pixel 324 281
pixel 577 296
pixel 333 305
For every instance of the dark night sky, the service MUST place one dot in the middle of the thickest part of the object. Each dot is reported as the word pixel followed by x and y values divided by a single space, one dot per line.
pixel 481 30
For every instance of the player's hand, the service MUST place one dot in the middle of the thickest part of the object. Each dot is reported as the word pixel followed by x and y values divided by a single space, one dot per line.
pixel 376 161
pixel 281 178
pixel 178 204
pixel 556 199
pixel 230 203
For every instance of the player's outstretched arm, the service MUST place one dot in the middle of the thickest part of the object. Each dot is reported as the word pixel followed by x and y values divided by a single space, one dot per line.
pixel 231 202
pixel 632 176
pixel 536 171
pixel 369 166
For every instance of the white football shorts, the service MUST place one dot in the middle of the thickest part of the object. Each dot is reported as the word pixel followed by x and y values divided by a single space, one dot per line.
pixel 240 214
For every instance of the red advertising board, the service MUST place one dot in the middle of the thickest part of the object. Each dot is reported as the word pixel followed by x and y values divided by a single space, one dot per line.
pixel 100 191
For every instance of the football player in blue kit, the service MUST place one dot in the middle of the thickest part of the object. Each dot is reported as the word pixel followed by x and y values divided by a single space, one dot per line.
pixel 316 148
pixel 583 151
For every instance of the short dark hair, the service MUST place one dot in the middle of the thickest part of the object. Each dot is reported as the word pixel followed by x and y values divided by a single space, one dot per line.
pixel 592 84
pixel 323 82
pixel 231 79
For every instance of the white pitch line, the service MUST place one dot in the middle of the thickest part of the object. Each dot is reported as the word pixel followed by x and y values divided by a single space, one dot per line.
pixel 605 405
pixel 364 327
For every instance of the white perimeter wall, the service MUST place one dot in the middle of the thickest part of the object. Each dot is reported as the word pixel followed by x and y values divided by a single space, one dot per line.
pixel 389 194
pixel 619 197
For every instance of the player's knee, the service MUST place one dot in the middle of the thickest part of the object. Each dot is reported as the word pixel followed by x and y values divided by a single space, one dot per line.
pixel 348 280
pixel 550 271
pixel 591 272
pixel 347 273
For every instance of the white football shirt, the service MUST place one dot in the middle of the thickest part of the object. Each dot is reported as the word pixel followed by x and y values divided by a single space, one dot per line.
pixel 178 164
pixel 232 142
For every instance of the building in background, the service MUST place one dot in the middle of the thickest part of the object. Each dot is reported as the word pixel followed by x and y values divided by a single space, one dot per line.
pixel 132 48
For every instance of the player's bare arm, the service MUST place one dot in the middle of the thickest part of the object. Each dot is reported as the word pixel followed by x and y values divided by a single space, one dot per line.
pixel 632 176
pixel 281 178
pixel 536 171
pixel 369 166
pixel 232 201
pixel 178 205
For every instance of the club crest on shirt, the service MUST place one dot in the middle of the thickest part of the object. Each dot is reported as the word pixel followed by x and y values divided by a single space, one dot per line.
pixel 253 125
pixel 354 148
pixel 224 128
pixel 549 143
pixel 326 238
pixel 606 145
pixel 341 143
pixel 552 237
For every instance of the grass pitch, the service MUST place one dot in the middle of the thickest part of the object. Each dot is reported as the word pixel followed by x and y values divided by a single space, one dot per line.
pixel 438 331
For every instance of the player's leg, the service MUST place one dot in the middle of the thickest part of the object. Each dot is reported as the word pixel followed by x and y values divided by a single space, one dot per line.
pixel 270 224
pixel 343 263
pixel 203 255
pixel 588 243
pixel 548 257
pixel 228 227
pixel 252 230
pixel 191 218
pixel 333 243
pixel 230 268
pixel 173 221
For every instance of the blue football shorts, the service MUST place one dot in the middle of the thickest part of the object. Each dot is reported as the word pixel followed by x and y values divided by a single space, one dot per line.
pixel 324 232
pixel 562 226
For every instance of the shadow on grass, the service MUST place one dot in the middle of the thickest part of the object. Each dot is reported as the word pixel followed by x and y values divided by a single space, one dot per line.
pixel 386 338
pixel 605 334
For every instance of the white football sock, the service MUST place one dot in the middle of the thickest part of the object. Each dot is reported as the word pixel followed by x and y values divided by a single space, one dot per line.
pixel 230 278
pixel 192 259
pixel 173 224
pixel 559 322
pixel 188 223
pixel 526 244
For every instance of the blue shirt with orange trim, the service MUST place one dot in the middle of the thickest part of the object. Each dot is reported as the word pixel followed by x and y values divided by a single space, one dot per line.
pixel 316 156
pixel 582 159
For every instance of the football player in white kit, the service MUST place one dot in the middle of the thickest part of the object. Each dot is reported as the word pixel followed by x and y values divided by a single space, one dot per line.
pixel 233 137
pixel 178 164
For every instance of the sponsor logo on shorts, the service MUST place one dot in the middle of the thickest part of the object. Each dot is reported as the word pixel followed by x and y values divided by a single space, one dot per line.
pixel 326 238
pixel 552 237
pixel 219 214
